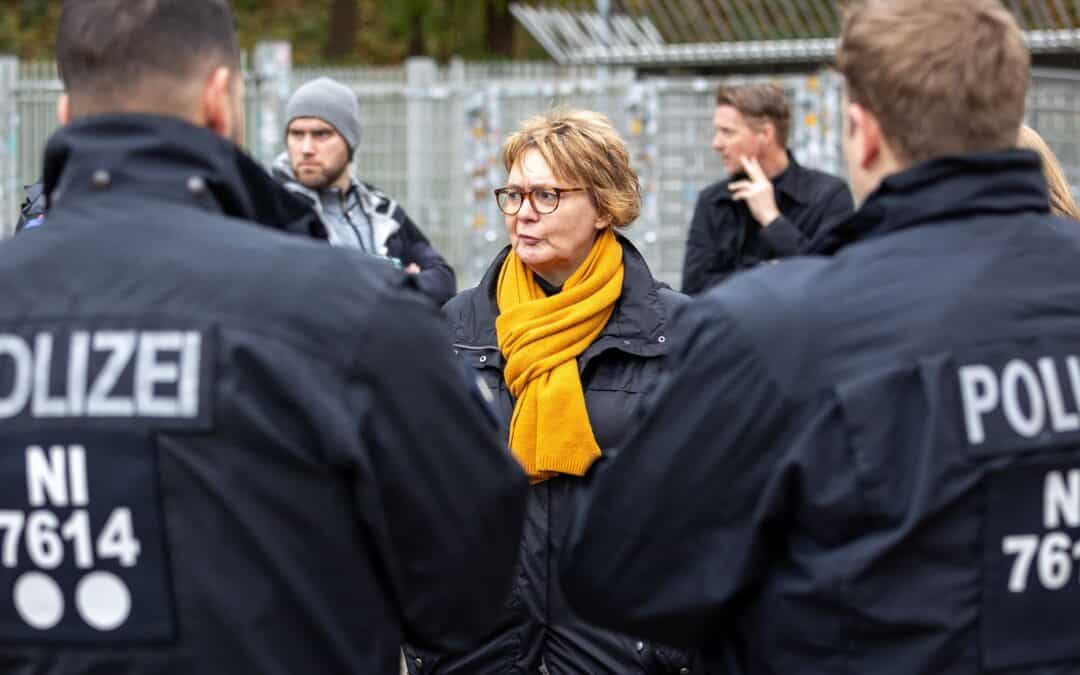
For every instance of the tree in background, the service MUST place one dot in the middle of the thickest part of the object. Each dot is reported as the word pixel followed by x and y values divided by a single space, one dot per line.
pixel 28 28
pixel 330 31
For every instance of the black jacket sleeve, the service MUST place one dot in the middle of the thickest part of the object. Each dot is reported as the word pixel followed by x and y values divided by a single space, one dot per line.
pixel 783 237
pixel 409 245
pixel 443 496
pixel 787 239
pixel 673 531
pixel 709 259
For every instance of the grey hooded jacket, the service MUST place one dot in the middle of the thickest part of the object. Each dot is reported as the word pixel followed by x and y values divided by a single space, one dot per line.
pixel 371 220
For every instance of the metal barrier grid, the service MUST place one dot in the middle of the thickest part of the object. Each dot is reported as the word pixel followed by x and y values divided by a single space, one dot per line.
pixel 1053 109
pixel 431 138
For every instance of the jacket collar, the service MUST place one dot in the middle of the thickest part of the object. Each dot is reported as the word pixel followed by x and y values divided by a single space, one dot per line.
pixel 941 190
pixel 282 171
pixel 789 182
pixel 168 159
pixel 636 326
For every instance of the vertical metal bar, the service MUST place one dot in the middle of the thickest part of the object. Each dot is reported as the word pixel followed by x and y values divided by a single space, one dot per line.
pixel 603 8
pixel 420 76
pixel 9 182
pixel 273 76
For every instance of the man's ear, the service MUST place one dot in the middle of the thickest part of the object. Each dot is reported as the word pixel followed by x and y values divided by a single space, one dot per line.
pixel 63 109
pixel 218 103
pixel 864 135
pixel 768 133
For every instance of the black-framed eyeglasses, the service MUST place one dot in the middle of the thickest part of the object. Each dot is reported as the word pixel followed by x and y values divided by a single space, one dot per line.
pixel 543 200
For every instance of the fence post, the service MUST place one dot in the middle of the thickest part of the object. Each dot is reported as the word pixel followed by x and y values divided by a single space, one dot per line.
pixel 421 74
pixel 9 182
pixel 273 84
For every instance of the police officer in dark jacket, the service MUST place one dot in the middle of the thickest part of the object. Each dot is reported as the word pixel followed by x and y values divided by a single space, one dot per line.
pixel 769 206
pixel 203 470
pixel 868 463
pixel 587 291
pixel 32 210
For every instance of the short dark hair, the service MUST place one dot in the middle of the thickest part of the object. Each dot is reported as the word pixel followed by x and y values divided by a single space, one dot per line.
pixel 942 78
pixel 106 48
pixel 759 102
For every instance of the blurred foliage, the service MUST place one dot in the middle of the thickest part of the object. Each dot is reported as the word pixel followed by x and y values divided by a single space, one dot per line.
pixel 329 31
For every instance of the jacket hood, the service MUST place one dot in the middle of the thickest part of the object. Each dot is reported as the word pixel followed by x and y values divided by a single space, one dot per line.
pixel 167 158
pixel 281 168
pixel 941 191
pixel 282 171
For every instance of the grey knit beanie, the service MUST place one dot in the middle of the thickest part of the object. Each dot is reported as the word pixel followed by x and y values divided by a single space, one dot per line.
pixel 329 101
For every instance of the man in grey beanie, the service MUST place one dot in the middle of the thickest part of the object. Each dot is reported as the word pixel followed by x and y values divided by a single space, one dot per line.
pixel 322 132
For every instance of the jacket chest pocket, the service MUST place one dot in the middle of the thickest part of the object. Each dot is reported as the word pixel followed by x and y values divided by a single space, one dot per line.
pixel 618 371
pixel 613 391
pixel 487 364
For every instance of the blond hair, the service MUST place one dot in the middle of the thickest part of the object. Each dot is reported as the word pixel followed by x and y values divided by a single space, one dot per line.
pixel 1061 198
pixel 759 103
pixel 942 77
pixel 582 147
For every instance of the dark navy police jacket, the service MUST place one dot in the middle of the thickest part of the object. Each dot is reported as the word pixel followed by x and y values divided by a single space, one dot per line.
pixel 215 456
pixel 868 463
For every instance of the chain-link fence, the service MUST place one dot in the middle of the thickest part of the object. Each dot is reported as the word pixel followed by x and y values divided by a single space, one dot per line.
pixel 431 137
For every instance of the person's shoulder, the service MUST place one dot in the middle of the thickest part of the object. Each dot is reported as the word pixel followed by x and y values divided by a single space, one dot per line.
pixel 374 190
pixel 381 201
pixel 465 298
pixel 469 313
pixel 295 285
pixel 769 314
pixel 760 290
pixel 281 169
pixel 820 182
pixel 774 303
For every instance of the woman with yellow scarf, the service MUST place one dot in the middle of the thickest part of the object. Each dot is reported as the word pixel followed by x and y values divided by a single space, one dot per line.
pixel 567 329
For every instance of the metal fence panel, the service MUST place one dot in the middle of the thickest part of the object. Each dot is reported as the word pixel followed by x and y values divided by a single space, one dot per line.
pixel 1054 111
pixel 9 163
pixel 431 138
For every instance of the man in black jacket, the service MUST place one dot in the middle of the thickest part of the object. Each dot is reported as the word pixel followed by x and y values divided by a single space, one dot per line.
pixel 210 465
pixel 769 206
pixel 868 463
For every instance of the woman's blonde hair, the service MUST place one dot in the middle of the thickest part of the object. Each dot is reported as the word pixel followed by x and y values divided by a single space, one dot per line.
pixel 582 147
pixel 1061 198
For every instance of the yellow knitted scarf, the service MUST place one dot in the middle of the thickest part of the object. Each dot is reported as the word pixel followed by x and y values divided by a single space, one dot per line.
pixel 541 338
